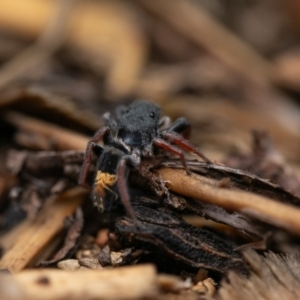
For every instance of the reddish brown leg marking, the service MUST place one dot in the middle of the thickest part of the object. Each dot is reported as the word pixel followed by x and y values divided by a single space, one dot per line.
pixel 88 154
pixel 123 190
pixel 173 149
pixel 183 144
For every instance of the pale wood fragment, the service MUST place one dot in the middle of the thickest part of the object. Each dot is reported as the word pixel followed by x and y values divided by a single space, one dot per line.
pixel 34 236
pixel 172 283
pixel 134 282
pixel 260 207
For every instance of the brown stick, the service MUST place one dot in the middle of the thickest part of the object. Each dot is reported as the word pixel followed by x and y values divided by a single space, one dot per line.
pixel 259 207
pixel 62 139
pixel 134 282
pixel 35 235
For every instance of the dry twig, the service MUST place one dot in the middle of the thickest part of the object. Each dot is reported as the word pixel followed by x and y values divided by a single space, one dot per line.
pixel 259 207
pixel 63 139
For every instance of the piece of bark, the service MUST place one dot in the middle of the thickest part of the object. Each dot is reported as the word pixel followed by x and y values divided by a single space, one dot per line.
pixel 69 265
pixel 44 163
pixel 164 233
pixel 87 248
pixel 256 206
pixel 135 282
pixel 222 176
pixel 32 238
pixel 213 175
pixel 104 257
pixel 90 263
pixel 31 202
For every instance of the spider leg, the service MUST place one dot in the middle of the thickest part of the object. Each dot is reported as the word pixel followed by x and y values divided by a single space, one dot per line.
pixel 120 110
pixel 173 149
pixel 184 144
pixel 164 122
pixel 181 126
pixel 123 190
pixel 92 146
pixel 109 121
pixel 97 149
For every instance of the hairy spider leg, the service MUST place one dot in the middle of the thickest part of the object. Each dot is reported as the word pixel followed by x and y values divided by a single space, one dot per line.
pixel 91 147
pixel 109 121
pixel 123 190
pixel 173 149
pixel 181 126
pixel 182 143
pixel 164 122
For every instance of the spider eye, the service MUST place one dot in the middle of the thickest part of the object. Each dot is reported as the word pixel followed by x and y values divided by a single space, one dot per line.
pixel 152 115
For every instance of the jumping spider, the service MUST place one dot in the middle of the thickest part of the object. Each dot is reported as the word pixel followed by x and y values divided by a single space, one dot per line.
pixel 134 134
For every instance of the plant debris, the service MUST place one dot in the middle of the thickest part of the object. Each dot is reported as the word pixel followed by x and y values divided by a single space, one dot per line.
pixel 225 228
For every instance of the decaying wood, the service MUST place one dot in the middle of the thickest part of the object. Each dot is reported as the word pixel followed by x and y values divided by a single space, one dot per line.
pixel 221 69
pixel 259 207
pixel 43 164
pixel 137 282
pixel 33 236
pixel 223 176
pixel 164 232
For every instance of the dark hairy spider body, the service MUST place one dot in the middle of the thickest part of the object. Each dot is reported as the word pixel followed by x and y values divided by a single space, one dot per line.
pixel 135 134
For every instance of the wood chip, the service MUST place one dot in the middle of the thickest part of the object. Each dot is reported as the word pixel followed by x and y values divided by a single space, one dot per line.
pixel 138 282
pixel 69 265
pixel 170 283
pixel 35 235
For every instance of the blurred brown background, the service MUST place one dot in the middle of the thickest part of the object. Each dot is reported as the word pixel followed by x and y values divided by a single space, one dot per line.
pixel 228 66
